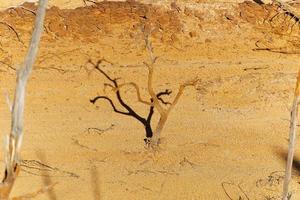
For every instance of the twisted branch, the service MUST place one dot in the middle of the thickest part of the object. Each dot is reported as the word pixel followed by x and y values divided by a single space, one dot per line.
pixel 137 89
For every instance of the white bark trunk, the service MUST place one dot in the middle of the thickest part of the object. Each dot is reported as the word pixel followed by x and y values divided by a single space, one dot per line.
pixel 14 140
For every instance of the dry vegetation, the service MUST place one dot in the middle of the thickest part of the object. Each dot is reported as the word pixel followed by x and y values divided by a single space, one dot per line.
pixel 156 101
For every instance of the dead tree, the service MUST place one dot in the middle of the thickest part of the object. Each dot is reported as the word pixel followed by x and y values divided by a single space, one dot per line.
pixel 146 121
pixel 164 112
pixel 156 101
pixel 14 139
pixel 292 141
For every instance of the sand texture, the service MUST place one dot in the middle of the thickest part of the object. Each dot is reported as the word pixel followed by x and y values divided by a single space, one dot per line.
pixel 226 138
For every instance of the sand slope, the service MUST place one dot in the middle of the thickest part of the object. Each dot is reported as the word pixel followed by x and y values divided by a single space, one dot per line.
pixel 226 139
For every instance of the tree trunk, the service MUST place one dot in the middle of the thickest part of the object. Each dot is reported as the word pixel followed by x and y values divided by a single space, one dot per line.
pixel 158 130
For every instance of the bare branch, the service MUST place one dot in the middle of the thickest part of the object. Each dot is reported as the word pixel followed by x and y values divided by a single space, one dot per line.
pixel 24 72
pixel 8 101
pixel 14 141
pixel 180 92
pixel 150 72
pixel 160 109
pixel 151 92
pixel 137 89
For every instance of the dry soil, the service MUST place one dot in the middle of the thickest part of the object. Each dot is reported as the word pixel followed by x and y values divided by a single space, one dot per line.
pixel 226 138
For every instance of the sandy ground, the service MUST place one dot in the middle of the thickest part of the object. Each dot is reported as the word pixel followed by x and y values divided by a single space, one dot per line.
pixel 226 138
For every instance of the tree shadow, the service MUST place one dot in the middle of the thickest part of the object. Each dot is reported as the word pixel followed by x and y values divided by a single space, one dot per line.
pixel 296 161
pixel 128 110
pixel 46 176
pixel 95 182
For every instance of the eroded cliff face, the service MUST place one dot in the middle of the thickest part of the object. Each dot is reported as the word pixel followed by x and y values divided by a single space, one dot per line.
pixel 79 3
